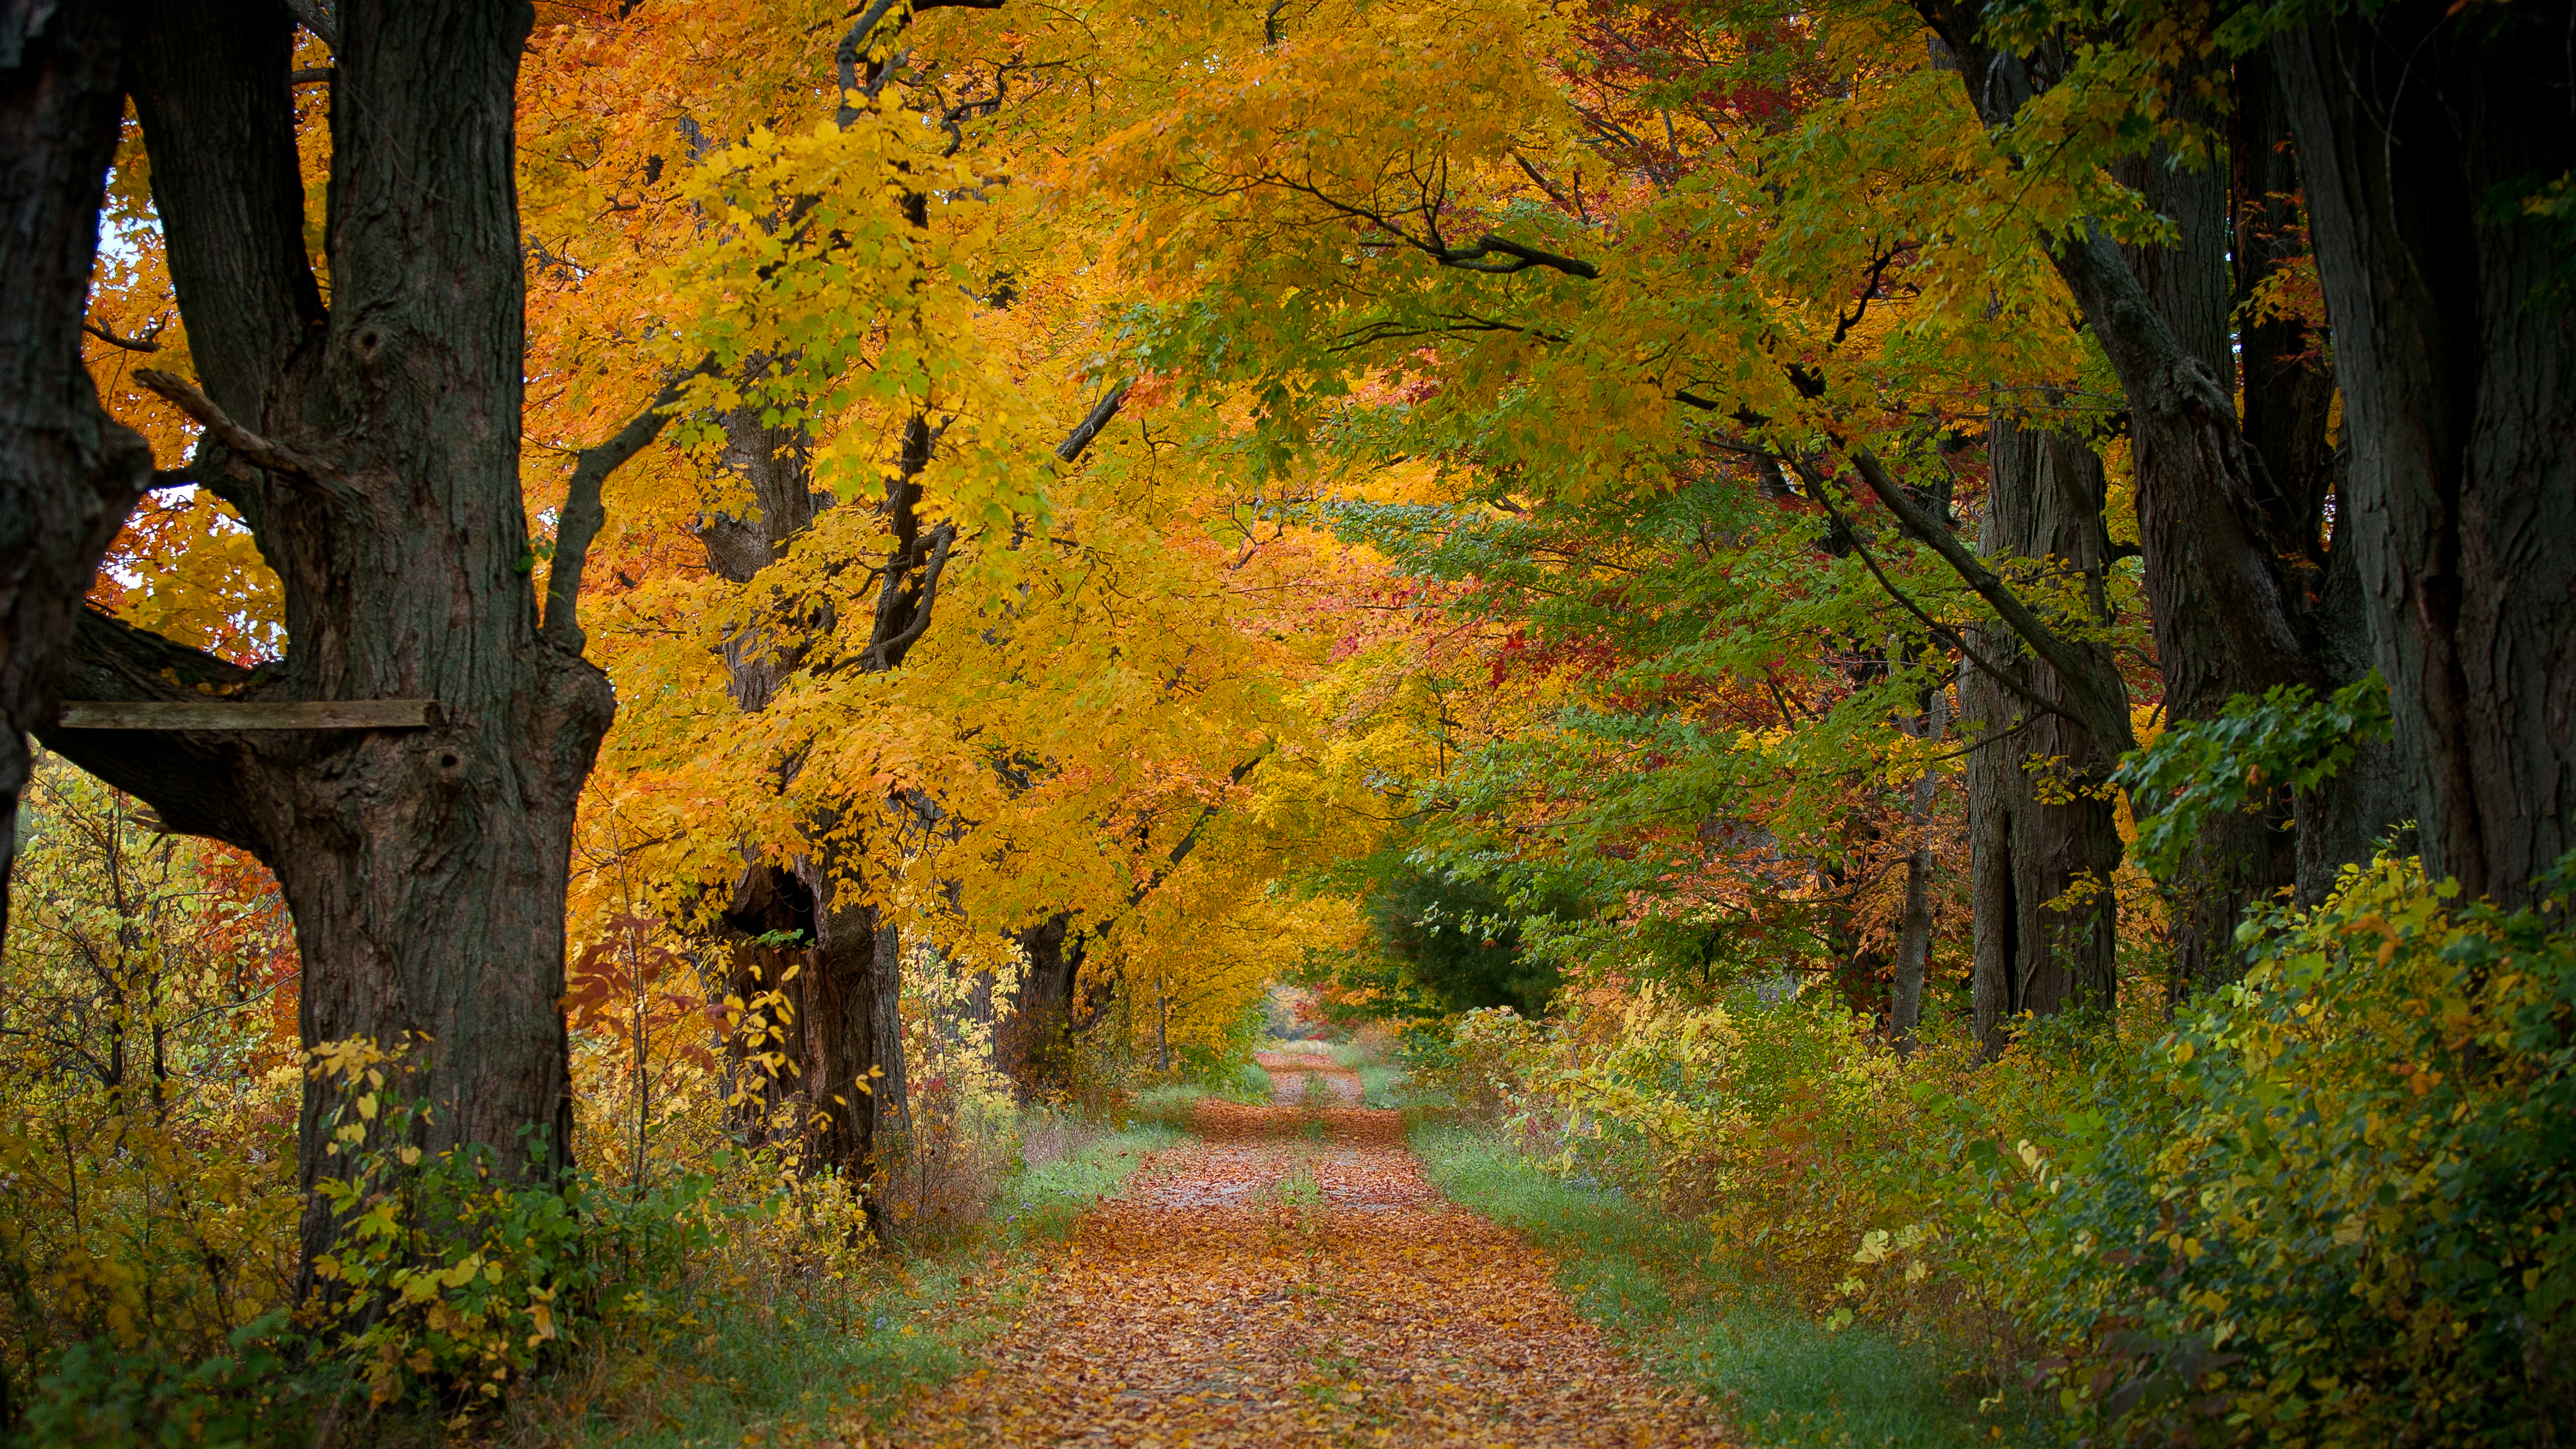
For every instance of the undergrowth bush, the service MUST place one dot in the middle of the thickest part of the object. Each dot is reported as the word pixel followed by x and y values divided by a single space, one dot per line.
pixel 2333 1204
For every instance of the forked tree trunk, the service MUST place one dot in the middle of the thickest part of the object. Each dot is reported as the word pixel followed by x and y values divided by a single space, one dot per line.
pixel 2042 841
pixel 68 473
pixel 2421 128
pixel 373 449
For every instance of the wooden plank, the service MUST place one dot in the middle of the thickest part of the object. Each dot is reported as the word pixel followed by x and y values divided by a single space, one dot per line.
pixel 224 714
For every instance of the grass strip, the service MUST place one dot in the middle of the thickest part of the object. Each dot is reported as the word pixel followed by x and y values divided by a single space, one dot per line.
pixel 1646 1278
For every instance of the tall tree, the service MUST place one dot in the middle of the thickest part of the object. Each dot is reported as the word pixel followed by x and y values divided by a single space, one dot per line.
pixel 2043 842
pixel 68 473
pixel 372 447
pixel 2438 143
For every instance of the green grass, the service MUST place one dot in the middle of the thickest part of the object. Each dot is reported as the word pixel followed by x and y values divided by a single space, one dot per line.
pixel 802 1370
pixel 1645 1278
pixel 1382 1086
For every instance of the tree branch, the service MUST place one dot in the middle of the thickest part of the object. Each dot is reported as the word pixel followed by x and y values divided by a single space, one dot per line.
pixel 316 16
pixel 881 657
pixel 1089 428
pixel 1945 633
pixel 1522 259
pixel 144 343
pixel 244 445
pixel 584 513
pixel 2077 675
pixel 192 779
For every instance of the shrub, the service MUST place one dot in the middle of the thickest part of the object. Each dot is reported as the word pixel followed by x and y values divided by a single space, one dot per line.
pixel 2333 1204
pixel 2338 1203
pixel 449 1278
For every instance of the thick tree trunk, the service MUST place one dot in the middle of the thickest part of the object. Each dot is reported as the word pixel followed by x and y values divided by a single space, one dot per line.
pixel 2042 841
pixel 2288 397
pixel 2420 128
pixel 1036 1038
pixel 68 473
pixel 375 453
pixel 2223 555
pixel 2229 551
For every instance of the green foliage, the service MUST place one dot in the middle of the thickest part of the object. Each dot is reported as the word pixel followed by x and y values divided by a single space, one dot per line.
pixel 2338 1202
pixel 450 1277
pixel 1455 940
pixel 103 1392
pixel 2287 737
pixel 2335 1204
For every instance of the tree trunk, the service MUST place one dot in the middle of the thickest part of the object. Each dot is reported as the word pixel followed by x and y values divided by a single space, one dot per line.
pixel 2229 561
pixel 1914 936
pixel 2288 405
pixel 374 451
pixel 2224 564
pixel 2043 844
pixel 1041 1023
pixel 68 473
pixel 2421 127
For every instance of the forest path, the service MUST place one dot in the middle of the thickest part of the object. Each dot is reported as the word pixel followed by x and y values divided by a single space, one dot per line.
pixel 1295 1077
pixel 1289 1277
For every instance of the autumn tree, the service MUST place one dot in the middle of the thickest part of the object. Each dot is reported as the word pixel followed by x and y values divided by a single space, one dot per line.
pixel 369 439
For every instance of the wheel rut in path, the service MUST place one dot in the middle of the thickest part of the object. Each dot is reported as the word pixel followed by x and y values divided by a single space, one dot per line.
pixel 1290 1278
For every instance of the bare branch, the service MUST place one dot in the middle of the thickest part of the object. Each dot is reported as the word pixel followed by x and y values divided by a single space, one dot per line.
pixel 245 445
pixel 584 513
pixel 145 343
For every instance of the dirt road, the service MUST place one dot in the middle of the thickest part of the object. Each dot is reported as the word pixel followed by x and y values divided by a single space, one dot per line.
pixel 1290 1278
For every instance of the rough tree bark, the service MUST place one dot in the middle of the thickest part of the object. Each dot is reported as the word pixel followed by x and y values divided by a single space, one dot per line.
pixel 2042 840
pixel 373 450
pixel 2208 512
pixel 2420 127
pixel 68 473
pixel 2229 552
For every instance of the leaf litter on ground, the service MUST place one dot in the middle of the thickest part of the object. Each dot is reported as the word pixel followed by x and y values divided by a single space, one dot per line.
pixel 1290 1277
